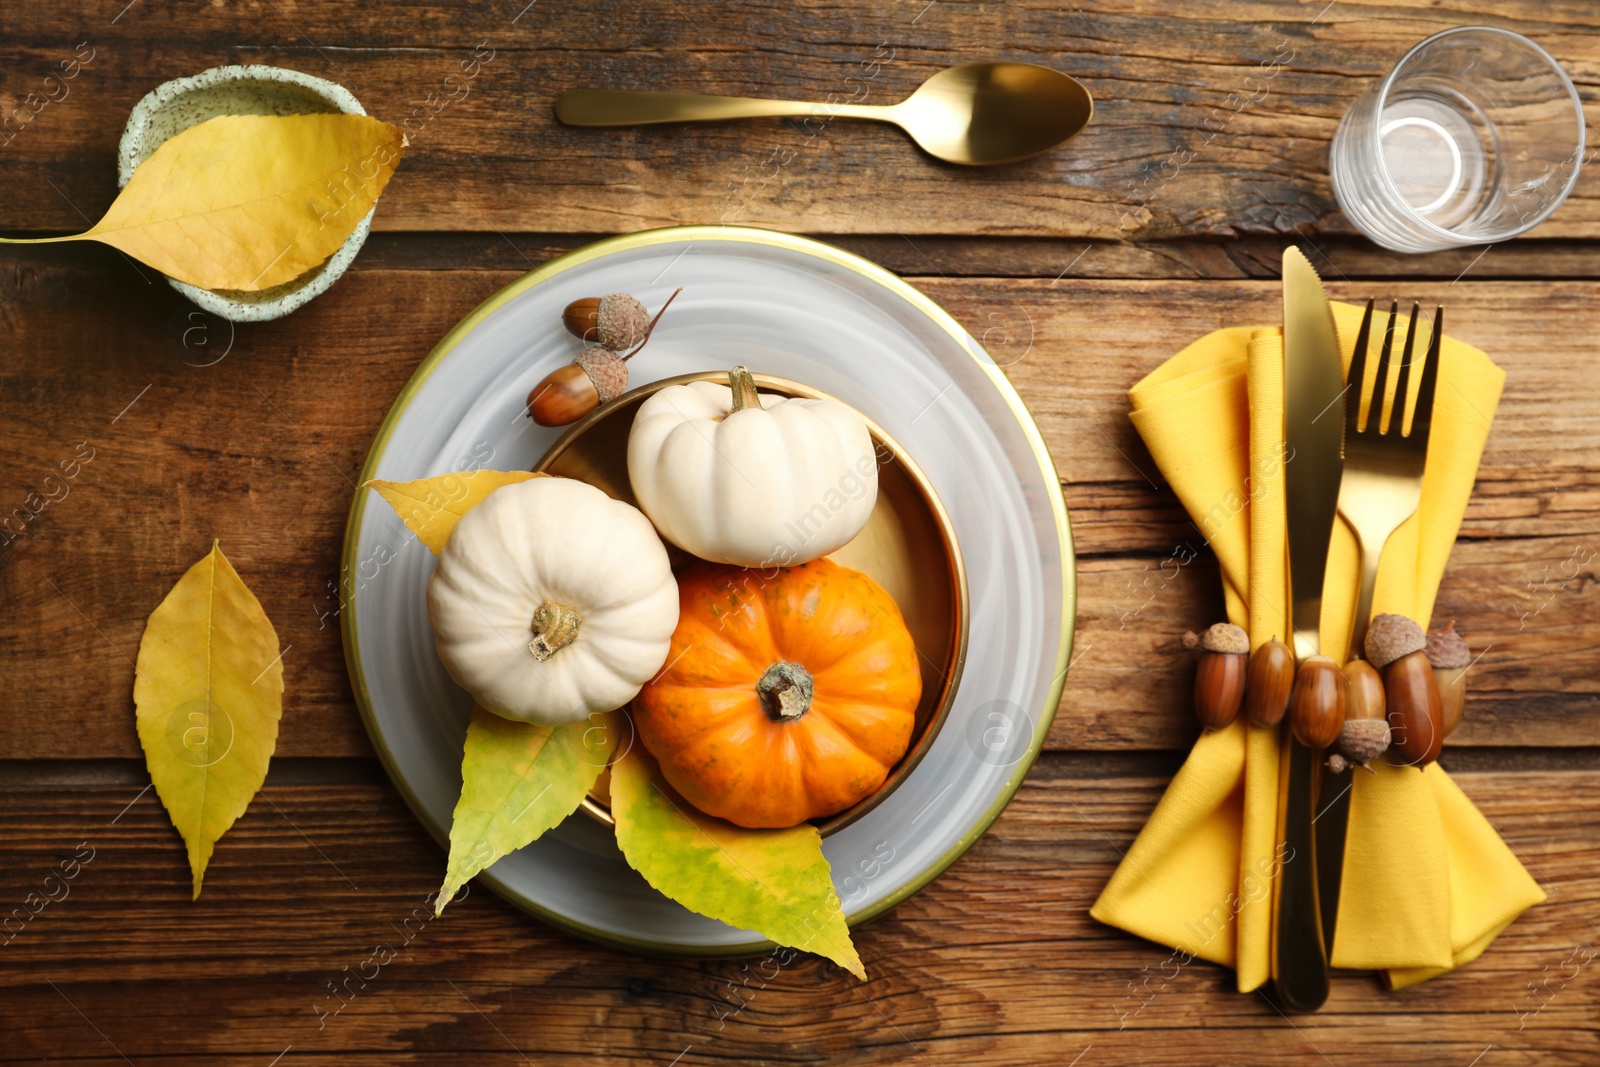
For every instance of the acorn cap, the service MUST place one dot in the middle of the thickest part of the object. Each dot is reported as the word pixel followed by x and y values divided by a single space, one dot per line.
pixel 622 322
pixel 1226 637
pixel 605 369
pixel 1390 637
pixel 1362 740
pixel 1446 649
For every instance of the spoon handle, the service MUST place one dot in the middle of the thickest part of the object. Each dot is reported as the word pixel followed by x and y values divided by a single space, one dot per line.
pixel 624 107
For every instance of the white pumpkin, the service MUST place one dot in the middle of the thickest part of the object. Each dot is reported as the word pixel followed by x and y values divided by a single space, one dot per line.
pixel 551 601
pixel 751 479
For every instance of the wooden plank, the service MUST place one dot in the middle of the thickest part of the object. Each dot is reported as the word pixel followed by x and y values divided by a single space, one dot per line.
pixel 996 963
pixel 262 450
pixel 1210 121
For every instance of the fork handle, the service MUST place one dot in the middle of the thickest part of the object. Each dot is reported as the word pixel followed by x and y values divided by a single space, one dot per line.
pixel 1364 602
pixel 1332 823
pixel 1369 579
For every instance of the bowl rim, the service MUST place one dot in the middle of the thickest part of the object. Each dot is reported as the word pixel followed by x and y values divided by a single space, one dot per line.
pixel 826 253
pixel 960 624
pixel 139 118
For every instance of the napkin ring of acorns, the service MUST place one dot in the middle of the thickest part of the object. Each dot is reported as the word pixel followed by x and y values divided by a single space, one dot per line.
pixel 1400 701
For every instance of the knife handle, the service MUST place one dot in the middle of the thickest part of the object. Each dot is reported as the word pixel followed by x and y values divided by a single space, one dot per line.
pixel 1300 958
pixel 1334 801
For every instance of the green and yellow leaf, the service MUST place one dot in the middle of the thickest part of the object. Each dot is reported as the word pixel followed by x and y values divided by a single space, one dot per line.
pixel 247 202
pixel 208 693
pixel 517 781
pixel 775 882
pixel 430 507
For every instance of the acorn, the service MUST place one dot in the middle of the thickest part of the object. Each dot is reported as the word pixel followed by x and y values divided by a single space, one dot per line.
pixel 569 393
pixel 1316 703
pixel 1219 679
pixel 1267 683
pixel 1365 733
pixel 1396 646
pixel 1450 658
pixel 600 372
pixel 617 321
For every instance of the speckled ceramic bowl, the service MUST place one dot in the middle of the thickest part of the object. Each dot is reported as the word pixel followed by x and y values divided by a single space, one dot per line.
pixel 241 90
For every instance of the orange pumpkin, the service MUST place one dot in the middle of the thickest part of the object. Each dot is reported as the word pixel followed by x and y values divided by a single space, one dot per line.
pixel 788 694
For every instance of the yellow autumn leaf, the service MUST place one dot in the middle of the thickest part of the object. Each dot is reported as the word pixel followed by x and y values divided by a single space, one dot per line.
pixel 775 882
pixel 431 506
pixel 208 693
pixel 247 202
pixel 517 781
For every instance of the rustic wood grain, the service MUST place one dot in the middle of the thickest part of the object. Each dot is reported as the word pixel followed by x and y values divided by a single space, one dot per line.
pixel 1094 262
pixel 1196 131
pixel 996 963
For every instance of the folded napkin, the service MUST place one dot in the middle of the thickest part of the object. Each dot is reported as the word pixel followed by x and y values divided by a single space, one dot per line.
pixel 1428 883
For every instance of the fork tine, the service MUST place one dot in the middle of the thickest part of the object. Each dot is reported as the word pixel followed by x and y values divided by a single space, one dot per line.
pixel 1423 419
pixel 1355 387
pixel 1375 420
pixel 1398 417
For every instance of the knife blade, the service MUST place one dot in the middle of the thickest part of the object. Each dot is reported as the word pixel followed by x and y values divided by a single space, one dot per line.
pixel 1313 388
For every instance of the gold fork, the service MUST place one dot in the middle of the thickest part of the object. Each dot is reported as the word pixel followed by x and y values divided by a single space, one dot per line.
pixel 1381 489
pixel 1382 463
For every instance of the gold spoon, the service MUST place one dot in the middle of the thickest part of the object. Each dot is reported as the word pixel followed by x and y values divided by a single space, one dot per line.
pixel 974 113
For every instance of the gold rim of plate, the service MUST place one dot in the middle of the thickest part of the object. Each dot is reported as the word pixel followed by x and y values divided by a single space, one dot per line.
pixel 908 539
pixel 894 285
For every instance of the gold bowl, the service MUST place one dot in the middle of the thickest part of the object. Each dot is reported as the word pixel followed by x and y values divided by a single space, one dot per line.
pixel 908 546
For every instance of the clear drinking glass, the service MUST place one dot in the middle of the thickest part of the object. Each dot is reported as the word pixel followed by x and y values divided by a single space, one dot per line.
pixel 1475 136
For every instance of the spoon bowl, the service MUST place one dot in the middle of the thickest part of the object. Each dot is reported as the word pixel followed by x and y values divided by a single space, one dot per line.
pixel 983 113
pixel 974 113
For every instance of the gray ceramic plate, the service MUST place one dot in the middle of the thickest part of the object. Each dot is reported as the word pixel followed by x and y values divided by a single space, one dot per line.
pixel 798 309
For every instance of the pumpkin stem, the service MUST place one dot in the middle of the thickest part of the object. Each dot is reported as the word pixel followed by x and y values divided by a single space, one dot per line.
pixel 744 390
pixel 785 691
pixel 554 628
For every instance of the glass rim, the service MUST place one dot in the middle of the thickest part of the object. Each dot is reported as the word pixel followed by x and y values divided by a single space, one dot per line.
pixel 1517 40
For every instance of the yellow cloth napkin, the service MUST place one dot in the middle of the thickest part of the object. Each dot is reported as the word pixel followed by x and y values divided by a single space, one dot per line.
pixel 1427 882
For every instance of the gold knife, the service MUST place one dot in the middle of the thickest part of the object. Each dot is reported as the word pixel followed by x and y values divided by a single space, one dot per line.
pixel 1313 413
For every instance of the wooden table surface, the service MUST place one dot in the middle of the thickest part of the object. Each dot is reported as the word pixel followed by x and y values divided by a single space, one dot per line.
pixel 1082 270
